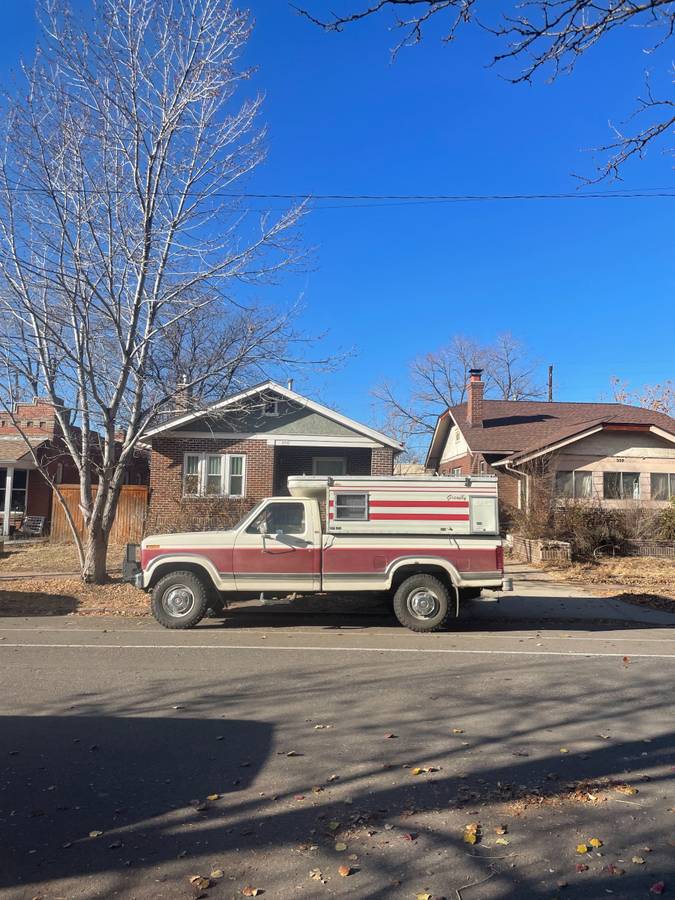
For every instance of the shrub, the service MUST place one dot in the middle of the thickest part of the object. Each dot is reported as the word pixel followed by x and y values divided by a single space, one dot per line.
pixel 587 526
pixel 666 522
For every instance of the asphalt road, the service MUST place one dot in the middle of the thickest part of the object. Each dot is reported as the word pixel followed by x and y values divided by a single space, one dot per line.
pixel 311 729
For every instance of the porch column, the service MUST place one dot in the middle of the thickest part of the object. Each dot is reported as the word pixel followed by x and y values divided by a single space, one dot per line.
pixel 9 480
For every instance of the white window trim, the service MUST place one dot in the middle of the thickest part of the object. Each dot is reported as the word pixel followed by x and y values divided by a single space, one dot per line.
pixel 225 474
pixel 274 411
pixel 332 459
pixel 364 518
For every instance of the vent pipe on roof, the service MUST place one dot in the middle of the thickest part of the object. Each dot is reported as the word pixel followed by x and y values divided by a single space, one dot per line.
pixel 289 384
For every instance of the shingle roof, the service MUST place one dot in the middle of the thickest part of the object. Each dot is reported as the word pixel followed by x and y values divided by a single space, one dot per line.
pixel 14 449
pixel 516 426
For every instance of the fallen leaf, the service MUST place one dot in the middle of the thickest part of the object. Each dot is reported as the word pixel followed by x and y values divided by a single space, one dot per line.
pixel 344 871
pixel 658 887
pixel 292 753
pixel 422 896
pixel 605 737
pixel 458 731
pixel 582 848
pixel 626 789
pixel 340 847
pixel 249 891
pixel 317 789
pixel 216 874
pixel 333 826
pixel 471 833
pixel 502 841
pixel 316 875
pixel 417 770
pixel 501 829
pixel 638 860
pixel 299 797
pixel 595 842
pixel 321 727
pixel 389 736
pixel 611 869
pixel 626 660
pixel 95 833
pixel 333 777
pixel 200 882
pixel 410 836
pixel 213 797
pixel 564 750
pixel 581 867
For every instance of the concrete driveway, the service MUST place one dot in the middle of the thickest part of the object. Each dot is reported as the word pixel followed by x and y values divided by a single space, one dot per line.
pixel 341 741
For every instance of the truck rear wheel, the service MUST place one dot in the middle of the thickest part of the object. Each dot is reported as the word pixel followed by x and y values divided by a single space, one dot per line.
pixel 179 600
pixel 422 603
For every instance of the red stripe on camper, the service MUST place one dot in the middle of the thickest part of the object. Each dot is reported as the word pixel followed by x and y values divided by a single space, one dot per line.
pixel 447 504
pixel 421 517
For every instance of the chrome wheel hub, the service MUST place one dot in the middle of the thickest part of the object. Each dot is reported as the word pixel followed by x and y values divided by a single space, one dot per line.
pixel 178 600
pixel 423 604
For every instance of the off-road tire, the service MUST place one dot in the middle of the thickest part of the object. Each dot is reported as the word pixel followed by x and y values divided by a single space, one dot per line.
pixel 189 602
pixel 415 589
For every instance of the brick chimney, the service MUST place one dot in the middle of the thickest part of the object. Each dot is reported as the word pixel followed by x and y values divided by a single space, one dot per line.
pixel 474 405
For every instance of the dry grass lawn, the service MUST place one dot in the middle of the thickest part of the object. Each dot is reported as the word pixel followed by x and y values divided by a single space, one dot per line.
pixel 643 579
pixel 49 558
pixel 70 596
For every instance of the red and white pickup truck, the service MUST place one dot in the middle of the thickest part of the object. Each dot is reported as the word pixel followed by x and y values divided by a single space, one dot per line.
pixel 428 541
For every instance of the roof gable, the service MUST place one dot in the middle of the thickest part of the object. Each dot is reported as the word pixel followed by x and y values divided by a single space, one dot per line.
pixel 298 416
pixel 517 428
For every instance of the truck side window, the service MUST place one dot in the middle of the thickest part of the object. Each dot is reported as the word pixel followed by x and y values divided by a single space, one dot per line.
pixel 351 507
pixel 287 518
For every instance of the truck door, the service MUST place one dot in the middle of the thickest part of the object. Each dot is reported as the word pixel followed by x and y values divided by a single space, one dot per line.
pixel 279 550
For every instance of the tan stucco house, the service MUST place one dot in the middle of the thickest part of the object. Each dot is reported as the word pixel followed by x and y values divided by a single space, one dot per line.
pixel 609 452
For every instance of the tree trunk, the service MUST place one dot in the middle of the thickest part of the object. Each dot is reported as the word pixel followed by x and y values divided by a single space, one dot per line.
pixel 94 570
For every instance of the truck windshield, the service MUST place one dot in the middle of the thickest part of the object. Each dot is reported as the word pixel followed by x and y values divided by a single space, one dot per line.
pixel 251 512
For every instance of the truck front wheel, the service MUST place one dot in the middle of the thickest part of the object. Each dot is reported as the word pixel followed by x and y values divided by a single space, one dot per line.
pixel 179 600
pixel 422 603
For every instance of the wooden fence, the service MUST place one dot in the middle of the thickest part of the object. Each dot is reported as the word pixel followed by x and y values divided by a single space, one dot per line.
pixel 129 520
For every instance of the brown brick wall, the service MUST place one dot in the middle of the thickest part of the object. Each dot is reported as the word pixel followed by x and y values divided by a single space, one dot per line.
pixel 382 462
pixel 169 511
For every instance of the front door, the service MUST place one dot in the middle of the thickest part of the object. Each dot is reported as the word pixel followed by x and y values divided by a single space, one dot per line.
pixel 278 550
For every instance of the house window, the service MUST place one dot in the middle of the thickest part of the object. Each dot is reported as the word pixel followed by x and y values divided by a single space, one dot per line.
pixel 213 475
pixel 329 465
pixel 577 485
pixel 17 503
pixel 456 471
pixel 663 485
pixel 621 485
pixel 351 507
pixel 271 408
pixel 483 468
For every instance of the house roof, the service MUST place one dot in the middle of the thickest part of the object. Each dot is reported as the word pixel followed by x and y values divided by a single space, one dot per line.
pixel 273 387
pixel 14 449
pixel 518 428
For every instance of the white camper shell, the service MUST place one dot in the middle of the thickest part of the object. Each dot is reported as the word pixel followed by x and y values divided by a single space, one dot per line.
pixel 456 505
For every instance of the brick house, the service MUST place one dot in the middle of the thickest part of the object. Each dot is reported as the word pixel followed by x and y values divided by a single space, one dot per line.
pixel 23 489
pixel 612 453
pixel 209 467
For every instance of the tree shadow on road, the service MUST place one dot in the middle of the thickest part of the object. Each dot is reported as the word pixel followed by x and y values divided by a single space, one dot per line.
pixel 119 764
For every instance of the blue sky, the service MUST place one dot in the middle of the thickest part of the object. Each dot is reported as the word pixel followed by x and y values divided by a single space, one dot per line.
pixel 588 285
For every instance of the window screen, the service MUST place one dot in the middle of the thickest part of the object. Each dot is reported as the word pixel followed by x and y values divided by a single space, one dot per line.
pixel 621 486
pixel 351 507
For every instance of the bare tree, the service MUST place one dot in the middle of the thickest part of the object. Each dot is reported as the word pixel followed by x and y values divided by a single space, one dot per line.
pixel 538 35
pixel 121 246
pixel 659 397
pixel 438 380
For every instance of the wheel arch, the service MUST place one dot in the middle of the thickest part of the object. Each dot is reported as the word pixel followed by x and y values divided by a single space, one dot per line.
pixel 403 568
pixel 200 567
